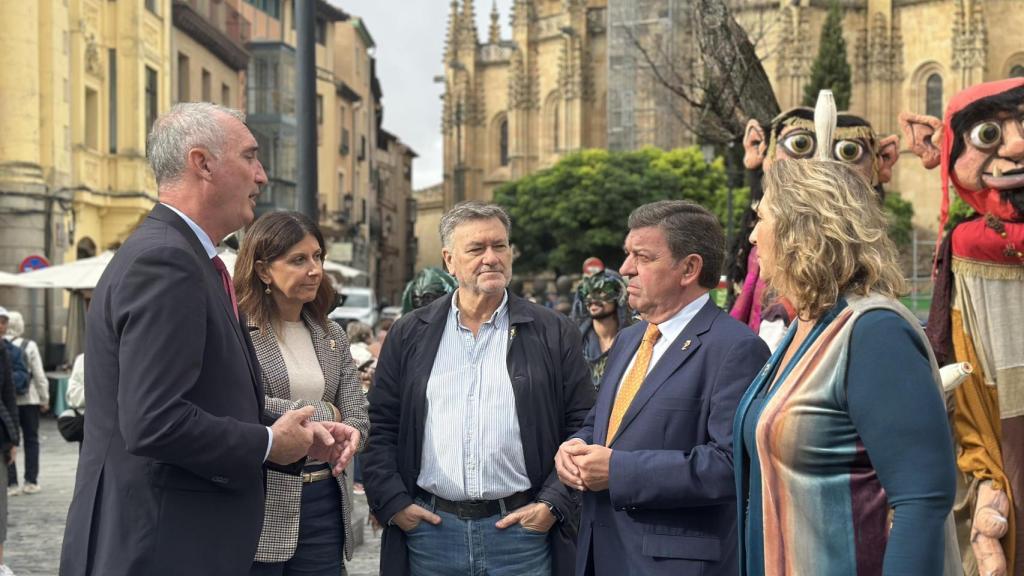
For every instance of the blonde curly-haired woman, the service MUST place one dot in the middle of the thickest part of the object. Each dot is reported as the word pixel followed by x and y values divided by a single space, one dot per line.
pixel 846 421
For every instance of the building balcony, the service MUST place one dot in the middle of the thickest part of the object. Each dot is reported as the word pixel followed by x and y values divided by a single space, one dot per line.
pixel 276 195
pixel 216 25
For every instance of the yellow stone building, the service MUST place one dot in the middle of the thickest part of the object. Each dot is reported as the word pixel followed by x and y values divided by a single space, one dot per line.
pixel 512 106
pixel 362 173
pixel 430 206
pixel 82 81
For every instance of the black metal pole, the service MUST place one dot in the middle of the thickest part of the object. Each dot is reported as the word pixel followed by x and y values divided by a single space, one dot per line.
pixel 305 71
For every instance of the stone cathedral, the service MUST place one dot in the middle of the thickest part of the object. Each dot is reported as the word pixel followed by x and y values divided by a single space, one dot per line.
pixel 570 78
pixel 513 106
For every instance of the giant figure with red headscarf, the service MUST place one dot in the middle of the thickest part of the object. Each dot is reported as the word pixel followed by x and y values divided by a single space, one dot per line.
pixel 977 313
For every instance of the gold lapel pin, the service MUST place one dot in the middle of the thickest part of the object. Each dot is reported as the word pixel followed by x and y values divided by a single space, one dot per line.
pixel 333 344
pixel 686 344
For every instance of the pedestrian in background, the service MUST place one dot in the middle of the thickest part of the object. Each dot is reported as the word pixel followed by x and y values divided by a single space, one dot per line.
pixel 603 295
pixel 360 336
pixel 9 434
pixel 33 402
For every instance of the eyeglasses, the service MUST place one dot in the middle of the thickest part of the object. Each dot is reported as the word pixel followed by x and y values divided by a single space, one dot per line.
pixel 599 300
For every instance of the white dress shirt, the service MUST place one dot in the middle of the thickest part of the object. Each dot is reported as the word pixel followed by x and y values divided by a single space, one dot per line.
pixel 472 447
pixel 670 330
pixel 211 251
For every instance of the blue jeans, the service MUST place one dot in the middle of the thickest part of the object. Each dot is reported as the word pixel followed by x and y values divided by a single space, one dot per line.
pixel 458 547
pixel 321 537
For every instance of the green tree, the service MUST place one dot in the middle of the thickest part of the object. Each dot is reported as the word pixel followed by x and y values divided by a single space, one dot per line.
pixel 901 216
pixel 830 69
pixel 579 207
pixel 959 211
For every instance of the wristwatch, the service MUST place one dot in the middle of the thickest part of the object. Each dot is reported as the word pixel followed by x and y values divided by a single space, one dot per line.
pixel 554 510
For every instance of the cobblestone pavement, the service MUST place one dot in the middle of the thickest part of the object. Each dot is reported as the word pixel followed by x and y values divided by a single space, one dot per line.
pixel 35 525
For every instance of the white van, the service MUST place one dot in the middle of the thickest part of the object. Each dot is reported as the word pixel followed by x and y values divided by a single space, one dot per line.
pixel 359 304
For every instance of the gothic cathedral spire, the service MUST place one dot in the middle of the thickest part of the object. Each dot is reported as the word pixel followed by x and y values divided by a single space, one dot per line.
pixel 494 35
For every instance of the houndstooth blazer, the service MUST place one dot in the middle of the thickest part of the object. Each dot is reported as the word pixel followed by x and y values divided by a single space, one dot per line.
pixel 342 389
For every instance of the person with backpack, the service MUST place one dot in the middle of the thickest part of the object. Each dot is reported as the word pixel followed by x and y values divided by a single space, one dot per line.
pixel 33 394
pixel 20 375
pixel 10 356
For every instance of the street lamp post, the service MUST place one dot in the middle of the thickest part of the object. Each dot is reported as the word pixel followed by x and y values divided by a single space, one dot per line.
pixel 305 71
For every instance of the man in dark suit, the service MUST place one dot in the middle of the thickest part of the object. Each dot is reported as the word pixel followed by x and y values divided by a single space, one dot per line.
pixel 654 457
pixel 170 477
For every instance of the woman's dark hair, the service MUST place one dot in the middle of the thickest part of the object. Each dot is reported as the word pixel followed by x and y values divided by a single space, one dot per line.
pixel 268 239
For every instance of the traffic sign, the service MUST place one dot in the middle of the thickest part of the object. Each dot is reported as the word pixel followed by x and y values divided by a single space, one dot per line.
pixel 34 262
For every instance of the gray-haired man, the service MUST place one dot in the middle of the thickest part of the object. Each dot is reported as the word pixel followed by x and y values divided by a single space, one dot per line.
pixel 472 396
pixel 170 477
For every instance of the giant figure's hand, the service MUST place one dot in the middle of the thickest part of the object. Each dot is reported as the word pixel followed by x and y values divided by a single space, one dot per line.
pixel 990 524
pixel 292 439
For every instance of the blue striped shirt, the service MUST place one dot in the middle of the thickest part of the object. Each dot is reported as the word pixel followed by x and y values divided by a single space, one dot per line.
pixel 472 449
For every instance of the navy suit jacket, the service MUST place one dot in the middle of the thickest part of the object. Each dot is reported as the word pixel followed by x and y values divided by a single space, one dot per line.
pixel 670 504
pixel 170 477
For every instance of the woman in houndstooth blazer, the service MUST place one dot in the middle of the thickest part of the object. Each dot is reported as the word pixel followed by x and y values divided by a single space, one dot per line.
pixel 305 361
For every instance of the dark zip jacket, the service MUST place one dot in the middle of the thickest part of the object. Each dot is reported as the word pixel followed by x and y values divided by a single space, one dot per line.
pixel 553 392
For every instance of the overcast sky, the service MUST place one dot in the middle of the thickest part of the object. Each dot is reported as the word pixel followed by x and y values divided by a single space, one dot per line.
pixel 410 39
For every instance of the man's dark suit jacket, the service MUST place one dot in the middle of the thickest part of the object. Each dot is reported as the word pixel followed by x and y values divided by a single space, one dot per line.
pixel 170 477
pixel 669 508
pixel 553 392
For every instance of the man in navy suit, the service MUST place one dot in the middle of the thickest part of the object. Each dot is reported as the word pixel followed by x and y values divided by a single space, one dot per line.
pixel 170 477
pixel 654 457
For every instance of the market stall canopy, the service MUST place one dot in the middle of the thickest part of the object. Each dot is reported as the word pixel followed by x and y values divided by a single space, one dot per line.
pixel 82 274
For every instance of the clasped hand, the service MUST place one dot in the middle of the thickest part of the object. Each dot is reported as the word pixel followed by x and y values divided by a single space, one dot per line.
pixel 583 466
pixel 295 436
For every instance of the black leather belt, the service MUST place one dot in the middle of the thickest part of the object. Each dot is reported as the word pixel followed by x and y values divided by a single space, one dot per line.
pixel 476 509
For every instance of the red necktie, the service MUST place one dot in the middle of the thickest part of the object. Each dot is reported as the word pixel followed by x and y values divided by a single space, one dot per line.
pixel 226 279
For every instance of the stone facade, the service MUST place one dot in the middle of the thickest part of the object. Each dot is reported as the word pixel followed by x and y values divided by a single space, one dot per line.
pixel 513 106
pixel 396 243
pixel 557 76
pixel 911 55
pixel 80 81
pixel 429 209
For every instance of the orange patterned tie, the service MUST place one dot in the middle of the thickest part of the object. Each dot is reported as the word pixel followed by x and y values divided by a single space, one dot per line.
pixel 631 385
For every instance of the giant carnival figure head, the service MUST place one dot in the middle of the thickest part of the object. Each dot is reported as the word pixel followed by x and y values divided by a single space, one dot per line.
pixel 428 285
pixel 603 294
pixel 980 146
pixel 791 135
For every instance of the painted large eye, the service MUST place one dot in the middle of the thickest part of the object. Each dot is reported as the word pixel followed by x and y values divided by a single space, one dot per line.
pixel 986 135
pixel 850 151
pixel 799 144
